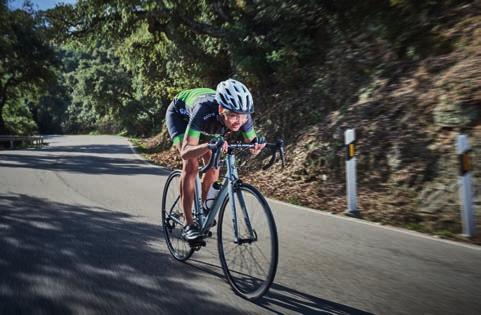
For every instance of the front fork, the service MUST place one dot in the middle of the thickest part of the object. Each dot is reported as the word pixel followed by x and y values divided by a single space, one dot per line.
pixel 234 183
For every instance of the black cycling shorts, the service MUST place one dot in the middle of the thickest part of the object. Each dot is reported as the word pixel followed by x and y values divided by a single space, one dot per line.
pixel 176 122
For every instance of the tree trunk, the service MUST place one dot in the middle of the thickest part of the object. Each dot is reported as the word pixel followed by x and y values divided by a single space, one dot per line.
pixel 3 99
pixel 3 130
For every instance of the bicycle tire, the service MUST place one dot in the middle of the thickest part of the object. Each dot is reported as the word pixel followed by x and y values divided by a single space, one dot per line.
pixel 178 247
pixel 250 287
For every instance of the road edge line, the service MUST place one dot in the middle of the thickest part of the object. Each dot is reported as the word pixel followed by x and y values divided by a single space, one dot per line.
pixel 141 157
pixel 375 224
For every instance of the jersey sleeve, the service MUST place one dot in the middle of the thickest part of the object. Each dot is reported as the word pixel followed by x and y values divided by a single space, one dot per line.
pixel 247 129
pixel 195 122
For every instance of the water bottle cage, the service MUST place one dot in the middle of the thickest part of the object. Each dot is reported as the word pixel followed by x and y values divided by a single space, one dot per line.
pixel 206 208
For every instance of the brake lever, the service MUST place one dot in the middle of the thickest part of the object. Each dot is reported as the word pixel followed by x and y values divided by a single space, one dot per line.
pixel 217 158
pixel 273 159
pixel 278 146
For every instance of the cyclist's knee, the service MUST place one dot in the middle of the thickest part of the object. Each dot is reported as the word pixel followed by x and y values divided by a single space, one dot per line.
pixel 213 172
pixel 190 167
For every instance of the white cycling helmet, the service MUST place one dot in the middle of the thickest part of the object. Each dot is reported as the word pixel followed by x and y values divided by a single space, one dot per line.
pixel 234 96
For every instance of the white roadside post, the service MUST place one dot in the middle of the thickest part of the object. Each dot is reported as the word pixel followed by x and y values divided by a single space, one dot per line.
pixel 350 138
pixel 465 185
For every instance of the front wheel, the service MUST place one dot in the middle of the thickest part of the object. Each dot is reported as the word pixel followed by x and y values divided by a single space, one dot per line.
pixel 250 263
pixel 173 219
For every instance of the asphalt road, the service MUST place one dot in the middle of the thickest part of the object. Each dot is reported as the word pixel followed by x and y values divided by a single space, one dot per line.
pixel 80 234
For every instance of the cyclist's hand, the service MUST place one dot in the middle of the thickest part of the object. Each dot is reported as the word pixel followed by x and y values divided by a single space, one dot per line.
pixel 225 146
pixel 216 143
pixel 259 144
pixel 257 148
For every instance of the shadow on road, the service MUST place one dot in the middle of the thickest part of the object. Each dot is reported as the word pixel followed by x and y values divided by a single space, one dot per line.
pixel 281 299
pixel 58 258
pixel 91 148
pixel 81 159
pixel 303 303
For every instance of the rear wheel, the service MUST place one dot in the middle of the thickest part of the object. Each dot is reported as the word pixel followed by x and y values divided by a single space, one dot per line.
pixel 173 219
pixel 250 264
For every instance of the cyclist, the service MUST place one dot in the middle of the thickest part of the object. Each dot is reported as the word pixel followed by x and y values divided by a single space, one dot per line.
pixel 212 113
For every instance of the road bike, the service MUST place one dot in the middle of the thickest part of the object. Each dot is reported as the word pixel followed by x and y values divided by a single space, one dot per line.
pixel 246 235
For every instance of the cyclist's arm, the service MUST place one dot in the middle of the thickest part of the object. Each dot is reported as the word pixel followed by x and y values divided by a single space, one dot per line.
pixel 247 130
pixel 191 148
pixel 249 137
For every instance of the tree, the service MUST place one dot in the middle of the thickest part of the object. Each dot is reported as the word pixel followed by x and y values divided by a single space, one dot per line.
pixel 104 95
pixel 25 56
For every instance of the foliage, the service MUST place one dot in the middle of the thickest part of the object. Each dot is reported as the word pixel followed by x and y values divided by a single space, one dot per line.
pixel 18 118
pixel 26 59
pixel 123 61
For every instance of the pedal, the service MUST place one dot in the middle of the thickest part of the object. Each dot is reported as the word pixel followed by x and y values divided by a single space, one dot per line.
pixel 197 244
pixel 241 241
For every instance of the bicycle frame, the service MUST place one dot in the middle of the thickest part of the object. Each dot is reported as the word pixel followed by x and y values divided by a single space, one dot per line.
pixel 228 189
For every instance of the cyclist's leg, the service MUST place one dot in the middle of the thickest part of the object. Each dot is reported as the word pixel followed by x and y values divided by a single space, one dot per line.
pixel 189 172
pixel 209 177
pixel 176 125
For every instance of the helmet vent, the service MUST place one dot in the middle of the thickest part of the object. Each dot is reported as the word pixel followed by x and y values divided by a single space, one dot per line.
pixel 223 98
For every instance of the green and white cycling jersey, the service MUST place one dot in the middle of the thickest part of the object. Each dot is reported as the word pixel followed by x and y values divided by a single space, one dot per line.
pixel 196 112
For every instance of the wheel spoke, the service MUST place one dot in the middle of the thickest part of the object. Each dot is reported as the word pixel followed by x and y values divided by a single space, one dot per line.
pixel 173 219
